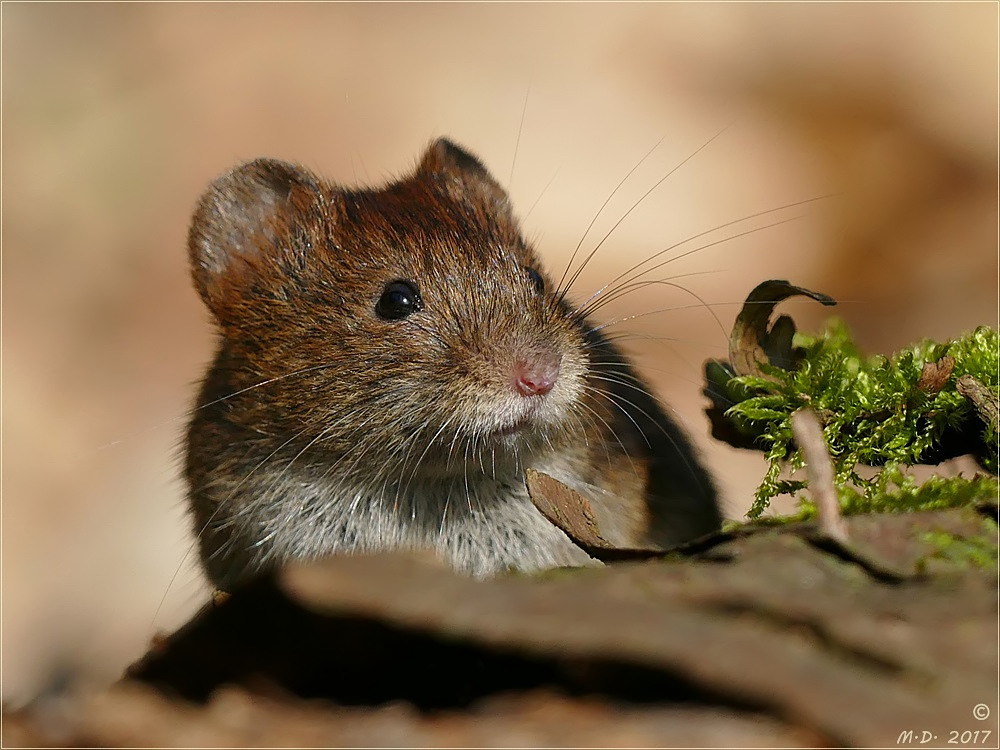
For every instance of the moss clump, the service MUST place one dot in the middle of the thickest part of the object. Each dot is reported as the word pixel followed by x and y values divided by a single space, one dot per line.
pixel 875 411
pixel 892 490
pixel 980 551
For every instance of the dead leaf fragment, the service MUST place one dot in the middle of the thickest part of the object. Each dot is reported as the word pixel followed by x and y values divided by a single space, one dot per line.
pixel 565 508
pixel 572 514
pixel 934 375
pixel 752 343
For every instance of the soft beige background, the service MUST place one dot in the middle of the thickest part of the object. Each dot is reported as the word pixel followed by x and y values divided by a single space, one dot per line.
pixel 115 117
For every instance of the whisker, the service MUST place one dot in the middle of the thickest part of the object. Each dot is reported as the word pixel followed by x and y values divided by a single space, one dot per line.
pixel 657 338
pixel 594 302
pixel 664 282
pixel 517 141
pixel 671 373
pixel 539 198
pixel 587 309
pixel 430 443
pixel 193 410
pixel 611 396
pixel 674 246
pixel 444 512
pixel 674 308
pixel 598 214
pixel 465 468
pixel 219 506
pixel 611 430
pixel 643 197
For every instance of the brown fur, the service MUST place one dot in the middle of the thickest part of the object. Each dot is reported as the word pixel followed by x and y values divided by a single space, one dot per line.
pixel 322 427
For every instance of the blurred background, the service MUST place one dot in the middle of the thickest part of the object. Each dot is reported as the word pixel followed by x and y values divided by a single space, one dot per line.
pixel 116 116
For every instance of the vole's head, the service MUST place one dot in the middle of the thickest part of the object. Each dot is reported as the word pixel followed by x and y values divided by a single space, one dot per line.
pixel 407 321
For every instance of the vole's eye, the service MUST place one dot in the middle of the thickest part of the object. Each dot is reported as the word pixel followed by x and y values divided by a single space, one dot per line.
pixel 399 299
pixel 536 279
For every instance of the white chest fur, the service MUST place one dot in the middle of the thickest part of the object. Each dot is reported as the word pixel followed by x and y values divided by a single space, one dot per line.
pixel 479 527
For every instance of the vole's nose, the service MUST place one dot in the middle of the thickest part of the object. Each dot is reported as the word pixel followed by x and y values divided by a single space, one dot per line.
pixel 535 375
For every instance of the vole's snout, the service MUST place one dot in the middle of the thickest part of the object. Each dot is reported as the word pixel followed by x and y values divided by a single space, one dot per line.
pixel 536 373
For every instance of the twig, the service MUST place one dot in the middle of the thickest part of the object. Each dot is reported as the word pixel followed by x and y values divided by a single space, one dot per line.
pixel 819 467
pixel 982 398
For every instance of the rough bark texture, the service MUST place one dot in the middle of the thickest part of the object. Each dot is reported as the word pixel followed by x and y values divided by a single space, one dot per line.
pixel 775 636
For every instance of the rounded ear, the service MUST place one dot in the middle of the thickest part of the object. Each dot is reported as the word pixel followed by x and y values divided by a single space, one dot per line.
pixel 241 220
pixel 465 176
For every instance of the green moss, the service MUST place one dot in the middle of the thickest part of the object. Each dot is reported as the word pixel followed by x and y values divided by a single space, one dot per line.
pixel 892 490
pixel 980 551
pixel 874 413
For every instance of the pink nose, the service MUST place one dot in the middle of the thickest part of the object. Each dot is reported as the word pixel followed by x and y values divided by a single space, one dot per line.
pixel 536 375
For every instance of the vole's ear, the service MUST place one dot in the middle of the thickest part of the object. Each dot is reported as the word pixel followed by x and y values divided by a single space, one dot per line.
pixel 242 222
pixel 464 175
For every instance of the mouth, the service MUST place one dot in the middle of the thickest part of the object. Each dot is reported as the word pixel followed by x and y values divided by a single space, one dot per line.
pixel 523 423
pixel 512 429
